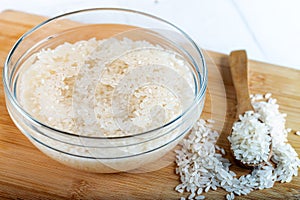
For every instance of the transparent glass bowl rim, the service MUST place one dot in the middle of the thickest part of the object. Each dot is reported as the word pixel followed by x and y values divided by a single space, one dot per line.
pixel 6 79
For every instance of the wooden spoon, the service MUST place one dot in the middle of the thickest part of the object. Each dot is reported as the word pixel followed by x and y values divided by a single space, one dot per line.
pixel 239 71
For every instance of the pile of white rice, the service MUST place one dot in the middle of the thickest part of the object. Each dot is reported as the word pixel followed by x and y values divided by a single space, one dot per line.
pixel 245 134
pixel 66 89
pixel 201 167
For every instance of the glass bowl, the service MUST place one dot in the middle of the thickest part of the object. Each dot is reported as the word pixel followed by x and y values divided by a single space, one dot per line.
pixel 87 148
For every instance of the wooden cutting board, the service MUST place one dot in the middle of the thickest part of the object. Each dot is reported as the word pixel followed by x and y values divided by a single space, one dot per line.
pixel 26 173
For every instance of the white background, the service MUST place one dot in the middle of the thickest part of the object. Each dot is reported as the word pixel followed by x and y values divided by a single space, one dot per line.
pixel 268 29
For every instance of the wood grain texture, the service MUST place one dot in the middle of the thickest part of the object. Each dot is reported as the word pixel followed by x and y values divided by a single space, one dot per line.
pixel 26 173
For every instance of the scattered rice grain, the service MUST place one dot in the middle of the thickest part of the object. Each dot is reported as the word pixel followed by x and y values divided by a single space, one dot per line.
pixel 214 169
pixel 200 197
pixel 268 95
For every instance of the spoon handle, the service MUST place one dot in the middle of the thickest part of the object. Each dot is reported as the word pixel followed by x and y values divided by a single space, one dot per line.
pixel 239 71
